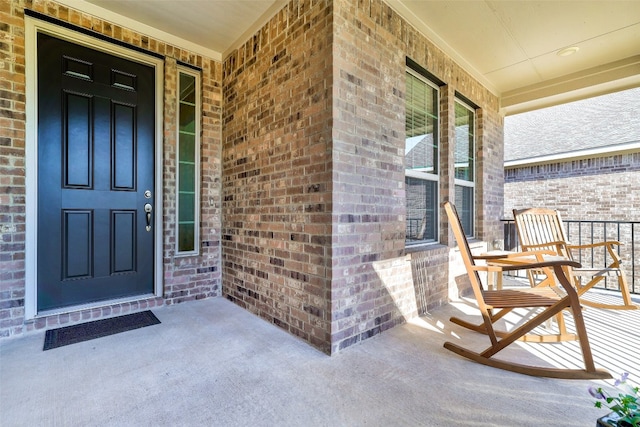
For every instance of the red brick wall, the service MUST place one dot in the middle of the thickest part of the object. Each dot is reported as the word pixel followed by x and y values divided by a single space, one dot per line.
pixel 194 277
pixel 313 172
pixel 490 154
pixel 313 236
pixel 185 278
pixel 374 285
pixel 599 188
pixel 277 205
pixel 12 169
pixel 371 289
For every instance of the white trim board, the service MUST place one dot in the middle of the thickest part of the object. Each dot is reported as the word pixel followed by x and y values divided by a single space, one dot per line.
pixel 575 155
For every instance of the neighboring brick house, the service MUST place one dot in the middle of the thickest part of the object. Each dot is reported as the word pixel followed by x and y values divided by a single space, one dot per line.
pixel 583 159
pixel 301 199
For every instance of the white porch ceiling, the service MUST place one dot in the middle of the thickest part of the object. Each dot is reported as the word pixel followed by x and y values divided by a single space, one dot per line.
pixel 510 46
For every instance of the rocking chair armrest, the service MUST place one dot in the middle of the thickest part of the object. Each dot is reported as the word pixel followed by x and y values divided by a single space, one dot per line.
pixel 609 243
pixel 511 264
pixel 491 256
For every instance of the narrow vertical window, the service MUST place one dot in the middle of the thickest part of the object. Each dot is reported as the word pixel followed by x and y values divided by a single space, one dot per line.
pixel 188 160
pixel 421 159
pixel 465 165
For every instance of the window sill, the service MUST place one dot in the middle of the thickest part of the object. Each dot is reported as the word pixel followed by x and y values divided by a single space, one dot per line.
pixel 423 247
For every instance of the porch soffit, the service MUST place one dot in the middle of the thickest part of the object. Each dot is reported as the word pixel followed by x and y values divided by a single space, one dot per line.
pixel 510 47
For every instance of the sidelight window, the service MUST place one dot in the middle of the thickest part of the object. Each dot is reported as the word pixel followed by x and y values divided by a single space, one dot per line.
pixel 188 161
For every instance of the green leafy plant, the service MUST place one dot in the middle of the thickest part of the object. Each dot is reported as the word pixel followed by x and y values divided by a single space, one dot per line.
pixel 625 402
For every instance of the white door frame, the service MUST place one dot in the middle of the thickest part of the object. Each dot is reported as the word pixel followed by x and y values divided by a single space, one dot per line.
pixel 32 28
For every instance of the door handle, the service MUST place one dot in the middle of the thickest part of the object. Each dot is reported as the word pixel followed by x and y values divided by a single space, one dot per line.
pixel 148 209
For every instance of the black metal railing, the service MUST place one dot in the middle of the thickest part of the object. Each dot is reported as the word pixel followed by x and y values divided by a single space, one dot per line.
pixel 587 232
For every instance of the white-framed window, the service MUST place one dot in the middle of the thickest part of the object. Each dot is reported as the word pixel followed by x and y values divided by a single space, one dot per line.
pixel 465 165
pixel 188 163
pixel 422 174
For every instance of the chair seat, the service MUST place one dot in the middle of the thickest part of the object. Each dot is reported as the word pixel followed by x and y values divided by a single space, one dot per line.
pixel 544 296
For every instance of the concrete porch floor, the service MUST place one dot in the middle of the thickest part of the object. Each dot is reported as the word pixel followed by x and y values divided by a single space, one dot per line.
pixel 212 363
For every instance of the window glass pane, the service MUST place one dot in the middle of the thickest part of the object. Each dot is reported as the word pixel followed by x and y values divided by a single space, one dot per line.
pixel 422 215
pixel 187 118
pixel 187 148
pixel 186 212
pixel 421 145
pixel 187 177
pixel 464 152
pixel 464 206
pixel 186 241
pixel 187 89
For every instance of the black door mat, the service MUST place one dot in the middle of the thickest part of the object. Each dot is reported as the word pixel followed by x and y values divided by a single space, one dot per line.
pixel 99 328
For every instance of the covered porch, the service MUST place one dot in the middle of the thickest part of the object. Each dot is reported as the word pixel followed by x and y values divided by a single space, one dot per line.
pixel 301 215
pixel 212 363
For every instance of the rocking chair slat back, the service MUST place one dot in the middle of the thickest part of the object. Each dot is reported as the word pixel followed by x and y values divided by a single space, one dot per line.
pixel 540 228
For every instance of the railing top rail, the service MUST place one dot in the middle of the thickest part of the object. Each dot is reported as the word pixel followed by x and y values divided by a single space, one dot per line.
pixel 598 221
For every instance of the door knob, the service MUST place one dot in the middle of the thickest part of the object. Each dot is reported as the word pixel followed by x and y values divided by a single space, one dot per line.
pixel 148 209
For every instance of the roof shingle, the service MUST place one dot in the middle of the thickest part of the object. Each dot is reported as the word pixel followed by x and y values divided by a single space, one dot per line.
pixel 606 120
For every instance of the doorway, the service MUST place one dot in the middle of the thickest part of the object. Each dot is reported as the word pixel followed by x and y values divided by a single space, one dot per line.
pixel 98 189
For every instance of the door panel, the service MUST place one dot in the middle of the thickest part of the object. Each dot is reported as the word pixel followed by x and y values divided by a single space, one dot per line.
pixel 77 244
pixel 95 161
pixel 124 156
pixel 77 146
pixel 123 245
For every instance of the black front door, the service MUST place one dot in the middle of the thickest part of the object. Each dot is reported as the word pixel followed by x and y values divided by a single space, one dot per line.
pixel 95 164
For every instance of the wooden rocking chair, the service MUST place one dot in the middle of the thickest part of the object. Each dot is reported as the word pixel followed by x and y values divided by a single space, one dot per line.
pixel 551 299
pixel 540 228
